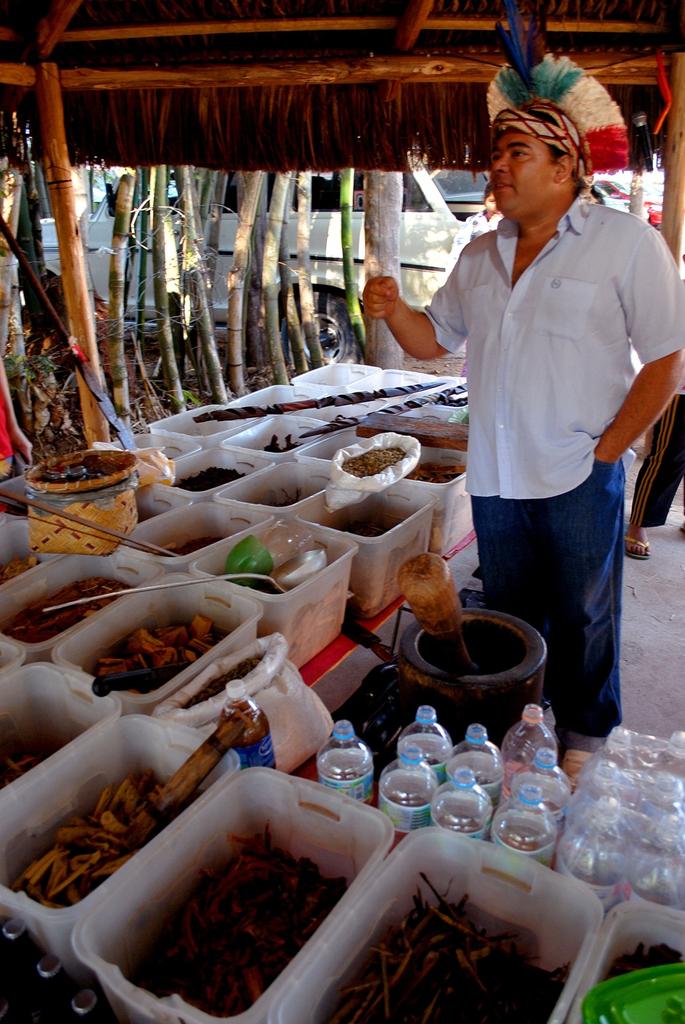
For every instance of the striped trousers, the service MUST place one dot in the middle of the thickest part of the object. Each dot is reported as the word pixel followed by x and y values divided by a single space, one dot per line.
pixel 663 469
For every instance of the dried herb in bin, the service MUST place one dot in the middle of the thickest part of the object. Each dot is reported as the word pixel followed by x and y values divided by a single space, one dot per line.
pixel 654 956
pixel 374 461
pixel 437 966
pixel 240 928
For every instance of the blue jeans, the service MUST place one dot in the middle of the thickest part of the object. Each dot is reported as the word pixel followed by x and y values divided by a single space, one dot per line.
pixel 557 563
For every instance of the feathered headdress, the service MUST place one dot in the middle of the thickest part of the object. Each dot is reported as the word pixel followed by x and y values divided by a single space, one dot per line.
pixel 555 100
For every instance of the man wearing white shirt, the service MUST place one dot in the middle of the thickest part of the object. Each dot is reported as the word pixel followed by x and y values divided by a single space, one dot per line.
pixel 551 303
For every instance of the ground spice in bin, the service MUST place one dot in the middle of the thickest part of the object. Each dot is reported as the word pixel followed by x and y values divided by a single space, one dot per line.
pixel 241 928
pixel 437 966
pixel 642 957
pixel 208 478
pixel 34 626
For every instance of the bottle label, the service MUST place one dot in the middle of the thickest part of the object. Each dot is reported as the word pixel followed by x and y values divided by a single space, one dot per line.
pixel 358 789
pixel 257 755
pixel 543 855
pixel 441 771
pixel 405 819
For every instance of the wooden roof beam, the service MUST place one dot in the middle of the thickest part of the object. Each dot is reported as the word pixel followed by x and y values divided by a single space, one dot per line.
pixel 407 32
pixel 51 28
pixel 608 67
pixel 441 23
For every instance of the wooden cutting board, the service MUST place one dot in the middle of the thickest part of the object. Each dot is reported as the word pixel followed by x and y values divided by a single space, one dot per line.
pixel 427 432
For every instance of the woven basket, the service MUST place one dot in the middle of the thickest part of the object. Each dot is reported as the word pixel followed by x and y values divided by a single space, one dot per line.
pixel 113 467
pixel 49 533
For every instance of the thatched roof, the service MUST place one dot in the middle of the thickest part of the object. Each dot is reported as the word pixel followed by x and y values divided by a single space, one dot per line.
pixel 246 84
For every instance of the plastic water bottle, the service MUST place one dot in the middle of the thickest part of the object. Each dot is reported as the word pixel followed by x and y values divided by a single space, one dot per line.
pixel 594 850
pixel 434 742
pixel 522 742
pixel 546 773
pixel 633 750
pixel 405 790
pixel 656 869
pixel 483 758
pixel 672 759
pixel 254 747
pixel 461 805
pixel 522 823
pixel 345 763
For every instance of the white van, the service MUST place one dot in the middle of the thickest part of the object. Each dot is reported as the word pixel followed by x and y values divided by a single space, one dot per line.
pixel 428 229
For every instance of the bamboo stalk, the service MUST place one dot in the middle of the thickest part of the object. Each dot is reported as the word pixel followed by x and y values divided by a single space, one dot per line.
pixel 347 240
pixel 237 276
pixel 172 379
pixel 270 277
pixel 117 287
pixel 93 528
pixel 304 269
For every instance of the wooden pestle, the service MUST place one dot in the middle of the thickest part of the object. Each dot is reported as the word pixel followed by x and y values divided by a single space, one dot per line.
pixel 176 791
pixel 429 588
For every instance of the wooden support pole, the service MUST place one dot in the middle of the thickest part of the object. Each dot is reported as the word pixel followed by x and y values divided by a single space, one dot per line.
pixel 58 175
pixel 674 159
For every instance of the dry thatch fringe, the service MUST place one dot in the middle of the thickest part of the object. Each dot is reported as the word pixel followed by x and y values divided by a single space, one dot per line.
pixel 299 128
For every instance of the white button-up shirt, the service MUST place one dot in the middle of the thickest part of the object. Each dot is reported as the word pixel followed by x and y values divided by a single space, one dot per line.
pixel 550 358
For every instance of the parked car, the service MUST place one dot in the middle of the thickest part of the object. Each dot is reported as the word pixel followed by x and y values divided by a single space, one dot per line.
pixel 462 191
pixel 615 196
pixel 427 231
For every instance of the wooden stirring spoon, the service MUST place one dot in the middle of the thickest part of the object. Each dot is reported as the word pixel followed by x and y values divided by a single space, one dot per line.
pixel 429 588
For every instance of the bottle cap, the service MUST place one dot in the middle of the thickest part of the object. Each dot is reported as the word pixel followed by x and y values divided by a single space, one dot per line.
pixel 464 778
pixel 49 966
pixel 235 690
pixel 530 795
pixel 425 713
pixel 532 713
pixel 546 758
pixel 410 754
pixel 343 730
pixel 477 734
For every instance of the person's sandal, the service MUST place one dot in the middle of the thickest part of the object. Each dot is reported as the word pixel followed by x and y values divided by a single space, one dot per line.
pixel 573 762
pixel 643 546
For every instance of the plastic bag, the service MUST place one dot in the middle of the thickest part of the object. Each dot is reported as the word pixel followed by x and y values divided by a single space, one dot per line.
pixel 152 465
pixel 345 489
pixel 300 722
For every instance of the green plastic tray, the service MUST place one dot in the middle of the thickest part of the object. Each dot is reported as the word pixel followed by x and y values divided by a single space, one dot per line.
pixel 655 995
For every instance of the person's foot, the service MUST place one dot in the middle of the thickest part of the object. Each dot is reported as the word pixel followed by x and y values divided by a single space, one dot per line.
pixel 572 763
pixel 636 543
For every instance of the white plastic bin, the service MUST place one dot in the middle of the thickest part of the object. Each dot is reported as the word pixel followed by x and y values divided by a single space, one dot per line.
pixel 554 923
pixel 204 519
pixel 32 812
pixel 14 543
pixel 232 609
pixel 342 836
pixel 240 460
pixel 341 377
pixel 402 378
pixel 262 432
pixel 207 434
pixel 406 513
pixel 277 394
pixel 452 518
pixel 12 654
pixel 267 490
pixel 309 616
pixel 156 499
pixel 47 579
pixel 44 708
pixel 174 446
pixel 625 926
pixel 325 448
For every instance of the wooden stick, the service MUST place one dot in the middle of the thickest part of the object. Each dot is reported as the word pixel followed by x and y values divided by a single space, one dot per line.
pixel 93 528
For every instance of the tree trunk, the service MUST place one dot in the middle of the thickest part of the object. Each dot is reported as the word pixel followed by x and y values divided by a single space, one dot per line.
pixel 292 318
pixel 347 241
pixel 165 338
pixel 382 216
pixel 637 205
pixel 142 235
pixel 257 353
pixel 117 292
pixel 10 187
pixel 237 275
pixel 213 230
pixel 195 279
pixel 304 269
pixel 270 277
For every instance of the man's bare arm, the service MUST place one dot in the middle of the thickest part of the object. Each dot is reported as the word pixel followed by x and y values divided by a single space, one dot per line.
pixel 411 328
pixel 651 392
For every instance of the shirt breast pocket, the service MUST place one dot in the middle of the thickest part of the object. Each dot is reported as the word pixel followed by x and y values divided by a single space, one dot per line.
pixel 479 309
pixel 562 307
